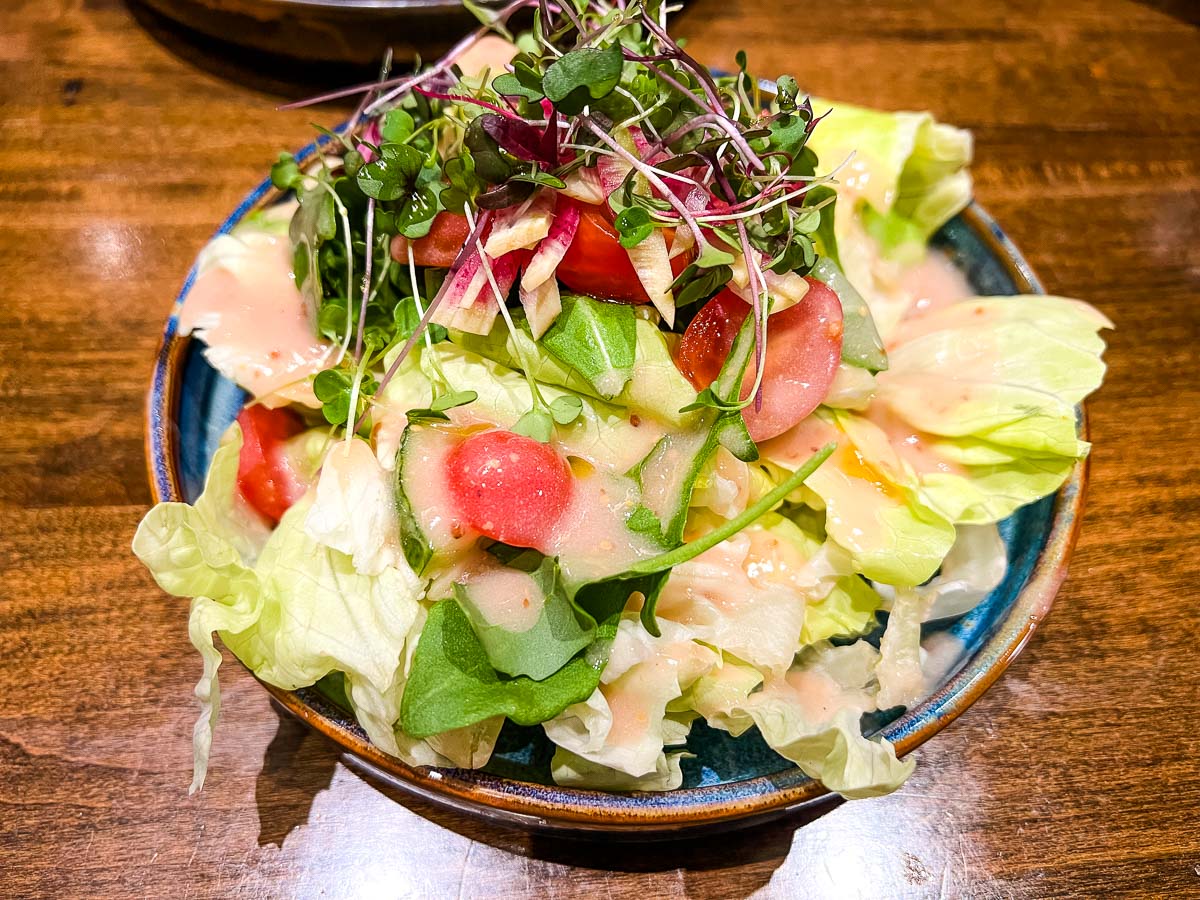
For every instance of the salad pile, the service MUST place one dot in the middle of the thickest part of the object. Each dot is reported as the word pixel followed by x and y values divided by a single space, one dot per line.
pixel 591 391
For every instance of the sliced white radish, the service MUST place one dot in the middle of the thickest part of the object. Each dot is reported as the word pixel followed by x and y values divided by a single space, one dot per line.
pixel 542 306
pixel 653 266
pixel 519 227
pixel 584 185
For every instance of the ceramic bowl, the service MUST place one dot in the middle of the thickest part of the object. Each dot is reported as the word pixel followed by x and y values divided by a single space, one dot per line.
pixel 728 781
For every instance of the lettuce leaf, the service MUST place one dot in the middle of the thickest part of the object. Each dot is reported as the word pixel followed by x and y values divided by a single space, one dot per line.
pixel 571 770
pixel 296 613
pixel 655 387
pixel 454 685
pixel 990 386
pixel 810 716
pixel 906 165
pixel 618 734
pixel 890 534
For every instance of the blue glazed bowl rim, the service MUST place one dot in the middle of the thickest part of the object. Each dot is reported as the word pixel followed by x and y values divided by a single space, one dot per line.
pixel 636 814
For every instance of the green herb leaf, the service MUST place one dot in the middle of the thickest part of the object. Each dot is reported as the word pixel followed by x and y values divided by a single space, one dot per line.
pixel 453 399
pixel 453 683
pixel 634 225
pixel 397 126
pixel 490 162
pixel 561 631
pixel 510 85
pixel 536 424
pixel 393 173
pixel 286 174
pixel 695 284
pixel 581 76
pixel 597 339
pixel 566 409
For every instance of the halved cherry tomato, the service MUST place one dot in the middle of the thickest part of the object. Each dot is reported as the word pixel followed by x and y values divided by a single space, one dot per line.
pixel 804 346
pixel 509 487
pixel 438 248
pixel 265 477
pixel 596 264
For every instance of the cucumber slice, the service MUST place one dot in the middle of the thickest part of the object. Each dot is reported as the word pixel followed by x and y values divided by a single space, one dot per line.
pixel 429 526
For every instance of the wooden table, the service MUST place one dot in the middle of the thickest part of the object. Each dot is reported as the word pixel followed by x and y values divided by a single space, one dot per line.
pixel 1079 772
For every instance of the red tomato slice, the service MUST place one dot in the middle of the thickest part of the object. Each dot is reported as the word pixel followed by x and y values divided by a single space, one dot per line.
pixel 265 477
pixel 438 248
pixel 509 487
pixel 804 346
pixel 597 265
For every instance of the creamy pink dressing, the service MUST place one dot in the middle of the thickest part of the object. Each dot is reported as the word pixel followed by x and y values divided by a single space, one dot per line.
pixel 636 700
pixel 428 494
pixel 257 326
pixel 911 445
pixel 932 284
pixel 506 597
pixel 591 540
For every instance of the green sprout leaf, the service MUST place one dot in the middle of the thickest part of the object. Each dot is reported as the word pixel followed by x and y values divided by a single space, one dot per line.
pixel 393 174
pixel 537 424
pixel 634 225
pixel 577 78
pixel 566 409
pixel 286 174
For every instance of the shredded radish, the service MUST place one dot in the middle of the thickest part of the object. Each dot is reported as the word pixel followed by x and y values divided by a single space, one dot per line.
pixel 519 227
pixel 653 266
pixel 542 305
pixel 612 172
pixel 584 185
pixel 553 247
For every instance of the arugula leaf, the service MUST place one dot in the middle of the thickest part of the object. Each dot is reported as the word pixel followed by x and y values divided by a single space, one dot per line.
pixel 824 231
pixel 560 632
pixel 453 684
pixel 598 340
pixel 581 76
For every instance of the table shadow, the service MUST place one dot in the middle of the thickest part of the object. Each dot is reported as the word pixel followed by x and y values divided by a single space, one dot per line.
pixel 300 763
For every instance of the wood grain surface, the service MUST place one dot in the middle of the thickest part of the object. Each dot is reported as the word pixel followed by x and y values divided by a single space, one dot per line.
pixel 1078 774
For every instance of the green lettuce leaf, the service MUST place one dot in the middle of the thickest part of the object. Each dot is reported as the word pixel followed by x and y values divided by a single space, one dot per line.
pixel 990 386
pixel 810 716
pixel 618 734
pixel 655 387
pixel 597 340
pixel 453 683
pixel 891 535
pixel 917 166
pixel 561 630
pixel 296 613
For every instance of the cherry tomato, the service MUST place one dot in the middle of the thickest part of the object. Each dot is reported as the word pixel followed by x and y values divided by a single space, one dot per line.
pixel 804 346
pixel 509 487
pixel 438 248
pixel 265 477
pixel 596 264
